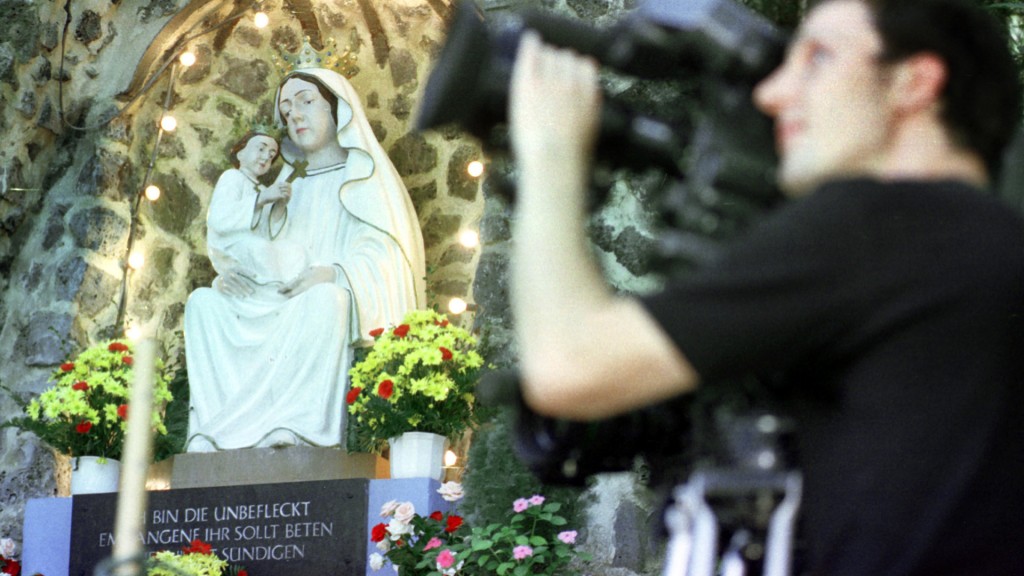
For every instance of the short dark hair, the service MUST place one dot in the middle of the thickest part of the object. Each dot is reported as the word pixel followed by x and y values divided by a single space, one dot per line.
pixel 981 102
pixel 332 100
pixel 243 142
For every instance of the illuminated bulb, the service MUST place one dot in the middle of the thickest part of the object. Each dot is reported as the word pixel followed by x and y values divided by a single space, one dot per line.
pixel 136 260
pixel 475 168
pixel 133 332
pixel 261 19
pixel 152 192
pixel 457 306
pixel 469 238
pixel 187 59
pixel 450 458
pixel 168 123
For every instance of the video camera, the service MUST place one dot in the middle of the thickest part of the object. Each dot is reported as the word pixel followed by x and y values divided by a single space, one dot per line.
pixel 718 155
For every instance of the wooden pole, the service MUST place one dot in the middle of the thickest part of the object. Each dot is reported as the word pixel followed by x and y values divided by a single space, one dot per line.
pixel 132 498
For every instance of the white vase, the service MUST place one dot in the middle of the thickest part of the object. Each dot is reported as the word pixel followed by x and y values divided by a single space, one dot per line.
pixel 93 475
pixel 417 455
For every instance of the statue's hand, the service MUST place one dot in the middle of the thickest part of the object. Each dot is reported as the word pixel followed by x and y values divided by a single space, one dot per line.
pixel 234 284
pixel 308 278
pixel 281 192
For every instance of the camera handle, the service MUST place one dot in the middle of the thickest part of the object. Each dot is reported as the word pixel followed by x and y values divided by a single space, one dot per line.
pixel 694 528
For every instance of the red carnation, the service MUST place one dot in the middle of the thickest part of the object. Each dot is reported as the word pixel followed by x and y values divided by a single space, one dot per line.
pixel 378 532
pixel 11 567
pixel 242 573
pixel 353 394
pixel 122 411
pixel 83 427
pixel 117 347
pixel 67 366
pixel 376 332
pixel 401 330
pixel 442 324
pixel 83 386
pixel 386 389
pixel 127 360
pixel 198 547
pixel 446 354
pixel 453 523
pixel 436 515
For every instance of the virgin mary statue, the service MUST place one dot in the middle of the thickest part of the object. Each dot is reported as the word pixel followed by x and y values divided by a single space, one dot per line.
pixel 267 360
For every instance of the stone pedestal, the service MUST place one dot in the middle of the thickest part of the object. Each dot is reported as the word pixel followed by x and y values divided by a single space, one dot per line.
pixel 272 466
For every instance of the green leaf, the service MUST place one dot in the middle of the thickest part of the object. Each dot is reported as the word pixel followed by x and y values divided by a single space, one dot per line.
pixel 479 545
pixel 537 541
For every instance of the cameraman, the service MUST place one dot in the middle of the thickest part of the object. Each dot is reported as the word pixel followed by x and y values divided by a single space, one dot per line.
pixel 885 300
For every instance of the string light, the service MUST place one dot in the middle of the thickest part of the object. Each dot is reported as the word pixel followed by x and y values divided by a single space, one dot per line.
pixel 168 123
pixel 469 238
pixel 260 20
pixel 136 260
pixel 152 192
pixel 132 332
pixel 450 458
pixel 457 306
pixel 475 168
pixel 187 58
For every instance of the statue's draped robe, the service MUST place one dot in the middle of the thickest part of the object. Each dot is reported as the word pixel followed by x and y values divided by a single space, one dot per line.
pixel 265 367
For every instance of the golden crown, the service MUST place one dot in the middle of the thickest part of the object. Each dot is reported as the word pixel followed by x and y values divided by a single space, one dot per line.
pixel 331 58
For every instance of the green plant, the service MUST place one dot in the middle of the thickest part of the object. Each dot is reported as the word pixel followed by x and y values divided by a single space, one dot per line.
pixel 84 412
pixel 533 539
pixel 417 376
pixel 197 559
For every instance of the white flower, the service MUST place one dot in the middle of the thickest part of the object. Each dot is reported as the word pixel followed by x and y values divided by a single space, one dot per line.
pixel 376 561
pixel 397 529
pixel 384 545
pixel 388 508
pixel 404 512
pixel 8 548
pixel 451 491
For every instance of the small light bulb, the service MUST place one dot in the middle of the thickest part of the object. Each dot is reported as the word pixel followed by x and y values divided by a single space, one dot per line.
pixel 187 58
pixel 168 123
pixel 475 168
pixel 469 238
pixel 457 306
pixel 450 458
pixel 136 260
pixel 132 332
pixel 152 192
pixel 260 20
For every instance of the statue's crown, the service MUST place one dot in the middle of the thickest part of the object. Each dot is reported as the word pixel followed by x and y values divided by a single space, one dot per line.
pixel 341 61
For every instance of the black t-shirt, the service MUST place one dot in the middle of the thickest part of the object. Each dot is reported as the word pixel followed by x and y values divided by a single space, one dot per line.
pixel 892 317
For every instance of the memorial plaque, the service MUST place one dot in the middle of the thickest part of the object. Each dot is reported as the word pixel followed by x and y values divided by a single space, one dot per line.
pixel 307 528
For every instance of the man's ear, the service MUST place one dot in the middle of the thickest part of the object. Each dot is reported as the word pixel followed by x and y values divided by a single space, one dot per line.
pixel 918 82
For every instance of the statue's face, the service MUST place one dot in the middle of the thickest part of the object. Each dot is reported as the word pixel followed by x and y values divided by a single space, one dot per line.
pixel 257 155
pixel 307 114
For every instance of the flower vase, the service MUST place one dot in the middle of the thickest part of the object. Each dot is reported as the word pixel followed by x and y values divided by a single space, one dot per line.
pixel 93 475
pixel 417 455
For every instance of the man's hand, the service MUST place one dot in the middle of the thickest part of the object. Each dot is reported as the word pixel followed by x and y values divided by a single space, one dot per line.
pixel 234 284
pixel 308 278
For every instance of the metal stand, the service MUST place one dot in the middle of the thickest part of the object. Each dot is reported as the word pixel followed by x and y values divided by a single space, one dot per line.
pixel 694 526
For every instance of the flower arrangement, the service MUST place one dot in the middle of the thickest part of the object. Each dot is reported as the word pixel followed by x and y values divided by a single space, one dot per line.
pixel 8 565
pixel 196 559
pixel 532 541
pixel 418 376
pixel 84 412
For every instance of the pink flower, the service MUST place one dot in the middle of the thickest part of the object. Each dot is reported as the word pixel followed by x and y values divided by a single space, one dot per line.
pixel 434 542
pixel 445 559
pixel 520 504
pixel 536 500
pixel 404 512
pixel 569 536
pixel 388 508
pixel 520 552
